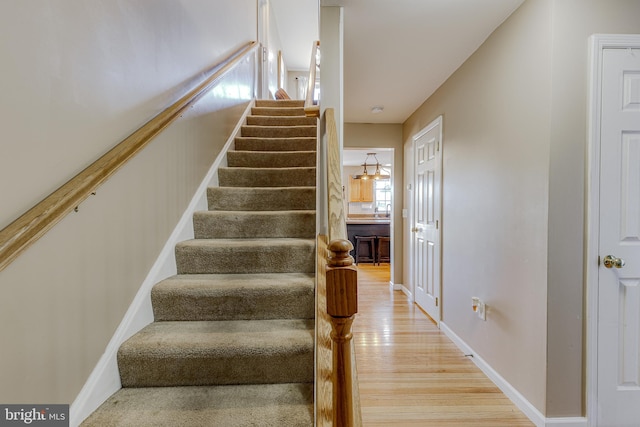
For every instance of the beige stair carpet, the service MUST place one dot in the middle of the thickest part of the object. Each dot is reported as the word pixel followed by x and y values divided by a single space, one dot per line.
pixel 232 341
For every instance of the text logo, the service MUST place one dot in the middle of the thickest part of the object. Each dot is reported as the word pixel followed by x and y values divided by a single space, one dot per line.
pixel 34 415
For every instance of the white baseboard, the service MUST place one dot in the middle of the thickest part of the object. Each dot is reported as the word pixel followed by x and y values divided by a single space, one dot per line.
pixel 566 422
pixel 105 377
pixel 403 288
pixel 518 399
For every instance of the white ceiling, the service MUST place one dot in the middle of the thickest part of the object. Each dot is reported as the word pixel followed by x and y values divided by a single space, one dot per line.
pixel 357 156
pixel 396 52
pixel 298 27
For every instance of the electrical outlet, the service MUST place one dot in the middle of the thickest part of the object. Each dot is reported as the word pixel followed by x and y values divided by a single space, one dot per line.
pixel 479 307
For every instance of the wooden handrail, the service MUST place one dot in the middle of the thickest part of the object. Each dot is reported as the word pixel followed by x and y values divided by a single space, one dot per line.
pixel 337 302
pixel 310 109
pixel 34 223
pixel 337 218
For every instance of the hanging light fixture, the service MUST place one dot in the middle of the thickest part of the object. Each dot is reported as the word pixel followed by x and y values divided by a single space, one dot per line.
pixel 377 174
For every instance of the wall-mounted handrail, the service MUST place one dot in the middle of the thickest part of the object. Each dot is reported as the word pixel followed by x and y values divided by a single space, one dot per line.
pixel 311 109
pixel 33 224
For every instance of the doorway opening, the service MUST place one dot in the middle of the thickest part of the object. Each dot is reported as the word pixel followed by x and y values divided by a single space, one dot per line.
pixel 367 177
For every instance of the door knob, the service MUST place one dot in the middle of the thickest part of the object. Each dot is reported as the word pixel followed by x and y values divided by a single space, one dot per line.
pixel 416 229
pixel 610 261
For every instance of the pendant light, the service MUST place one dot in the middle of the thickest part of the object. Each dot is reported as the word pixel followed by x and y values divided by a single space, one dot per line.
pixel 377 175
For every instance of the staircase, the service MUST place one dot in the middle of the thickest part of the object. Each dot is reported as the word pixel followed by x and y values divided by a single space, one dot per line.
pixel 232 341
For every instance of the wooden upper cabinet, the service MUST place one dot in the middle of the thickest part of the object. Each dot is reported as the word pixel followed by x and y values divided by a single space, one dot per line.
pixel 354 189
pixel 360 190
pixel 366 190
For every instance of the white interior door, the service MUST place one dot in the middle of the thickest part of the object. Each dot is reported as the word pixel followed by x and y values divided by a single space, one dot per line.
pixel 426 219
pixel 618 358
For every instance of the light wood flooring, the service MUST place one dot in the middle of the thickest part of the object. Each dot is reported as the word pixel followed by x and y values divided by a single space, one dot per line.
pixel 410 373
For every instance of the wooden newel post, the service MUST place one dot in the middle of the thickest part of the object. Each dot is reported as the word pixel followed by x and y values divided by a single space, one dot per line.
pixel 342 305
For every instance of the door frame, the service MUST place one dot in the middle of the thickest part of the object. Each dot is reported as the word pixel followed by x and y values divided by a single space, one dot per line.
pixel 597 44
pixel 438 121
pixel 393 179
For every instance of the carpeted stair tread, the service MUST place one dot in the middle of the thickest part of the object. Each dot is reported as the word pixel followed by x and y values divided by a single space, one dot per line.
pixel 271 159
pixel 267 177
pixel 278 131
pixel 218 352
pixel 261 198
pixel 281 121
pixel 283 405
pixel 222 256
pixel 234 297
pixel 254 224
pixel 275 144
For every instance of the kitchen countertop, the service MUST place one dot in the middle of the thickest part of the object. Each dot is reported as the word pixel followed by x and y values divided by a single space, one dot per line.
pixel 368 220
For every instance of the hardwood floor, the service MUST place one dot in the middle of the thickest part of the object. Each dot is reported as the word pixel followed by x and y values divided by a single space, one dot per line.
pixel 410 373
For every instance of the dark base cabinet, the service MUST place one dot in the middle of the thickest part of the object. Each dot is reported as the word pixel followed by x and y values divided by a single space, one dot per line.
pixel 366 230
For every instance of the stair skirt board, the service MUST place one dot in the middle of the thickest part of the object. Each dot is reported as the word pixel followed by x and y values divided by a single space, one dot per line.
pixel 189 341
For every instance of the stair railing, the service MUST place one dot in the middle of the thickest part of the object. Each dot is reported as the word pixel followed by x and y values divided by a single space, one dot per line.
pixel 311 105
pixel 337 393
pixel 33 224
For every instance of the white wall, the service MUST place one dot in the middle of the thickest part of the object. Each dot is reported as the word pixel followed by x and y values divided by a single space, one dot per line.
pixel 513 231
pixel 274 46
pixel 495 174
pixel 573 22
pixel 269 37
pixel 78 77
pixel 293 83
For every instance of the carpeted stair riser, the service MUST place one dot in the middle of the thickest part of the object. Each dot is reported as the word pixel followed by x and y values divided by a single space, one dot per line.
pixel 281 121
pixel 278 131
pixel 282 405
pixel 165 354
pixel 268 107
pixel 275 144
pixel 266 177
pixel 190 297
pixel 261 199
pixel 225 256
pixel 286 103
pixel 251 224
pixel 269 159
pixel 277 111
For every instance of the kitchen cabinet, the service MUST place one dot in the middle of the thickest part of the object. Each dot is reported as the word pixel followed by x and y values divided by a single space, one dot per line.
pixel 360 190
pixel 366 229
